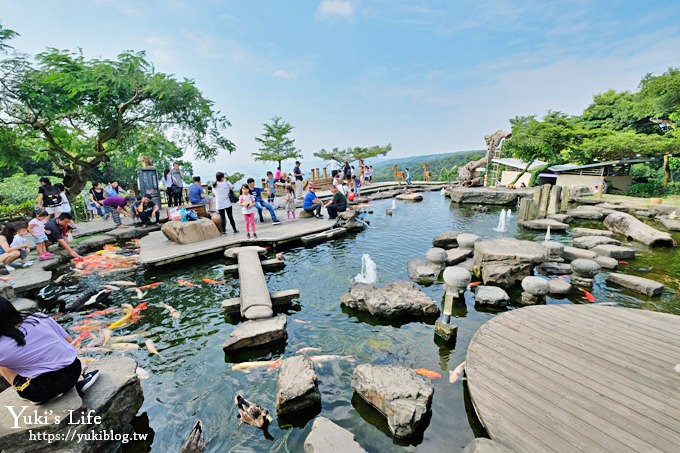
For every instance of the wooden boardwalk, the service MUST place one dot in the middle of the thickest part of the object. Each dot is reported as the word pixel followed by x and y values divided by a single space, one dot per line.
pixel 578 378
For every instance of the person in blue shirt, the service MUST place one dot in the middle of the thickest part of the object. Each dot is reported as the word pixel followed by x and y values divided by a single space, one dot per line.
pixel 197 194
pixel 311 203
pixel 260 204
pixel 271 185
pixel 407 177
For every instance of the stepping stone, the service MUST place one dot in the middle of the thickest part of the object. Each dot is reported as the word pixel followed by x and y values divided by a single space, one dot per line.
pixel 670 224
pixel 543 224
pixel 25 305
pixel 327 437
pixel 573 253
pixel 446 240
pixel 588 242
pixel 586 213
pixel 297 388
pixel 635 283
pixel 562 218
pixel 615 251
pixel 492 296
pixel 400 394
pixel 457 255
pixel 410 197
pixel 252 334
pixel 578 232
pixel 606 263
pixel 558 286
pixel 30 279
pixel 555 268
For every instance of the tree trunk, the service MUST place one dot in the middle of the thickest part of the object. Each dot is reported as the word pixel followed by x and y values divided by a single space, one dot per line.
pixel 514 181
pixel 666 173
pixel 76 178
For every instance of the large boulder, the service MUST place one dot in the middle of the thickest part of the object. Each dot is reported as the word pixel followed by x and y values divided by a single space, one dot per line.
pixel 544 224
pixel 639 284
pixel 573 253
pixel 115 397
pixel 585 267
pixel 252 334
pixel 586 213
pixel 485 195
pixel 588 242
pixel 632 228
pixel 397 300
pixel 190 232
pixel 491 296
pixel 297 388
pixel 400 394
pixel 659 210
pixel 410 197
pixel 446 240
pixel 505 261
pixel 535 286
pixel 555 268
pixel 579 232
pixel 617 252
pixel 327 437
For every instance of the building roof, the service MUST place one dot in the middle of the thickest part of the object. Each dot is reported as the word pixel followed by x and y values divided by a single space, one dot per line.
pixel 518 163
pixel 570 167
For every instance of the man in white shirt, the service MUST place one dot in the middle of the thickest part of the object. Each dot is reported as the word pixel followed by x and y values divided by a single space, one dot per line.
pixel 334 166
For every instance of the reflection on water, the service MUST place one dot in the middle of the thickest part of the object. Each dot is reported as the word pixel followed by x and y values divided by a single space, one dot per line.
pixel 192 378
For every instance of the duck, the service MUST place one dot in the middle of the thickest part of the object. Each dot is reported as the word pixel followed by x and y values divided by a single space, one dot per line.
pixel 251 413
pixel 195 442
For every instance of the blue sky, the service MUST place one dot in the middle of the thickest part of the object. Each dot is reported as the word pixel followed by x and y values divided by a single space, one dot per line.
pixel 426 76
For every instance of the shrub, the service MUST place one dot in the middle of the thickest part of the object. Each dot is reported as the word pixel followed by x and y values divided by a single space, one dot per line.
pixel 19 189
pixel 644 189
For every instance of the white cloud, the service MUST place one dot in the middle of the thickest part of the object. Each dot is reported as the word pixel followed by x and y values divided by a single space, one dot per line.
pixel 285 74
pixel 334 8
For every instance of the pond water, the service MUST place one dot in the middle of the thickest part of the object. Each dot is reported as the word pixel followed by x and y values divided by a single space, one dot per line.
pixel 192 379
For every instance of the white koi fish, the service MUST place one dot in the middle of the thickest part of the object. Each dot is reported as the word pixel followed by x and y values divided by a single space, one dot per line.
pixel 457 373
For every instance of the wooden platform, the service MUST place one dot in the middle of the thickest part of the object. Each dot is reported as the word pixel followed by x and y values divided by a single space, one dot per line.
pixel 578 378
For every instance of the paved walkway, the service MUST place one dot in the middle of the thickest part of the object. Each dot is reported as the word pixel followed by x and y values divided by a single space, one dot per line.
pixel 578 378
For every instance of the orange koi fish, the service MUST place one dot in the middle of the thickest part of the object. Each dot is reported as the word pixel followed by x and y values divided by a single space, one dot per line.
pixel 150 285
pixel 473 284
pixel 588 296
pixel 428 373
pixel 275 364
pixel 103 312
pixel 185 283
pixel 81 337
pixel 173 312
pixel 135 311
pixel 213 282
pixel 623 262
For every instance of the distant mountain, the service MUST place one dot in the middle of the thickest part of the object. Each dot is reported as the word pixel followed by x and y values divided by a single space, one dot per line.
pixel 382 170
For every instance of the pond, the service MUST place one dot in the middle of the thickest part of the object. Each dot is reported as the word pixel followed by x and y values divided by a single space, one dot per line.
pixel 191 378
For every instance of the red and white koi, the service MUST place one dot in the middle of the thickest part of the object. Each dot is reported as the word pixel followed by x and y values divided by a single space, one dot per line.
pixel 457 373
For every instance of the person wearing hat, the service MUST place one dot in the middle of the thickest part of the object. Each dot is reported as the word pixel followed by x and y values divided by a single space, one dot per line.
pixel 337 204
pixel 312 203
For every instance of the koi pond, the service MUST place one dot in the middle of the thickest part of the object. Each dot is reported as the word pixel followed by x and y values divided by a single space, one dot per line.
pixel 191 378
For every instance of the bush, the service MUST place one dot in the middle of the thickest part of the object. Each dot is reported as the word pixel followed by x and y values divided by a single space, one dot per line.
pixel 19 189
pixel 644 189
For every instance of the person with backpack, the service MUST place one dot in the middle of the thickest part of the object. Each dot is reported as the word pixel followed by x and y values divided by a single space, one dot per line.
pixel 49 197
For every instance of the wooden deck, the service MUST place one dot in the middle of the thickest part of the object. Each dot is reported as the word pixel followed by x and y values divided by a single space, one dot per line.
pixel 578 378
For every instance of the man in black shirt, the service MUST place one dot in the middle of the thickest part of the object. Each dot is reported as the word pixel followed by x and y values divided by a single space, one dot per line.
pixel 146 210
pixel 55 230
pixel 337 204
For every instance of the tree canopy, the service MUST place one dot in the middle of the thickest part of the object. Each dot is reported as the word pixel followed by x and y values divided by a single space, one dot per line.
pixel 275 143
pixel 76 112
pixel 355 153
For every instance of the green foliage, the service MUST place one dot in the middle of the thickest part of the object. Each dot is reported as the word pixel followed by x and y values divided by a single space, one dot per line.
pixel 19 189
pixel 354 154
pixel 437 163
pixel 608 145
pixel 448 174
pixel 235 177
pixel 276 145
pixel 76 111
pixel 660 96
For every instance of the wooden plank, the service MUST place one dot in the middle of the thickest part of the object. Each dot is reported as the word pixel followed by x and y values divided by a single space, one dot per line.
pixel 633 422
pixel 650 323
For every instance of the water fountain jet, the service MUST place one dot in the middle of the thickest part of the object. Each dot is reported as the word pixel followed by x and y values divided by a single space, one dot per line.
pixel 502 227
pixel 369 273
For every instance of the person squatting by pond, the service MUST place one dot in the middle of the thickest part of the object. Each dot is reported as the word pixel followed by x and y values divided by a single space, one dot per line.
pixel 37 358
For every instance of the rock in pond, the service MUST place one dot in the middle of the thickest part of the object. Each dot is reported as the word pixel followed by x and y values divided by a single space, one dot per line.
pixel 190 232
pixel 410 197
pixel 586 213
pixel 327 437
pixel 617 252
pixel 491 296
pixel 635 283
pixel 558 286
pixel 544 224
pixel 555 268
pixel 297 389
pixel 506 261
pixel 115 397
pixel 398 299
pixel 588 242
pixel 605 262
pixel 400 394
pixel 573 253
pixel 562 218
pixel 436 255
pixel 446 240
pixel 467 240
pixel 455 256
pixel 579 232
pixel 585 267
pixel 252 334
pixel 535 286
pixel 485 195
pixel 629 226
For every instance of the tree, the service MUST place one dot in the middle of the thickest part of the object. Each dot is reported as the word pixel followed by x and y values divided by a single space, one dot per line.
pixel 76 112
pixel 352 154
pixel 276 145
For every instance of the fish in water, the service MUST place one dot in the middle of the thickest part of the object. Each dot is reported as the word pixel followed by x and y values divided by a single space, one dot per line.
pixel 181 282
pixel 61 278
pixel 141 373
pixel 329 357
pixel 111 287
pixel 125 346
pixel 150 285
pixel 127 338
pixel 195 442
pixel 457 373
pixel 251 413
pixel 308 349
pixel 102 339
pixel 173 312
pixel 428 373
pixel 80 337
pixel 245 366
pixel 275 364
pixel 130 315
pixel 151 347
pixel 123 283
pixel 623 262
pixel 473 284
pixel 213 282
pixel 139 293
pixel 89 298
pixel 103 312
pixel 301 321
pixel 94 349
pixel 587 295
